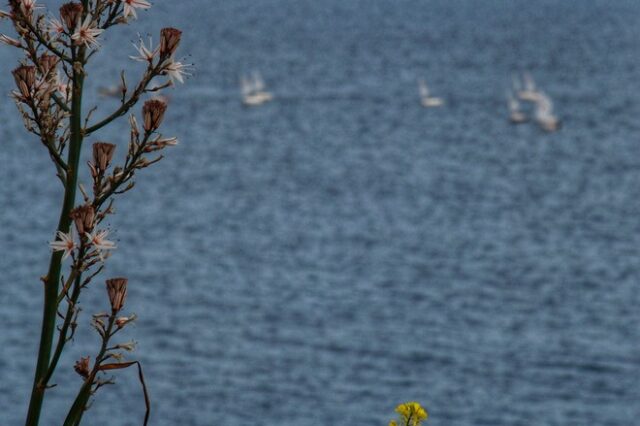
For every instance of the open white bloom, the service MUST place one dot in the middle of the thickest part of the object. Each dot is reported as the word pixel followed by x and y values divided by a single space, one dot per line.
pixel 86 33
pixel 63 243
pixel 55 26
pixel 99 241
pixel 176 70
pixel 145 54
pixel 130 7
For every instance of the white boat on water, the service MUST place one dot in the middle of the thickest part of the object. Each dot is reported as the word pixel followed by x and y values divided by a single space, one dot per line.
pixel 516 116
pixel 253 90
pixel 111 91
pixel 426 100
pixel 544 113
pixel 529 92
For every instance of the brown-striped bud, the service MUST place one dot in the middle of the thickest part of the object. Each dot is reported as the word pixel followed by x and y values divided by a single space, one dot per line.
pixel 102 155
pixel 117 290
pixel 169 41
pixel 25 77
pixel 82 367
pixel 153 112
pixel 71 13
pixel 47 63
pixel 83 216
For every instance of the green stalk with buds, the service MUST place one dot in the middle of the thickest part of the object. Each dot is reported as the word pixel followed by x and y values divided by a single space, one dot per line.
pixel 50 82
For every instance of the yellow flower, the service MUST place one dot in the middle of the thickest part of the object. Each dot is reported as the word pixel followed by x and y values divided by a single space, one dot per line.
pixel 412 413
pixel 393 423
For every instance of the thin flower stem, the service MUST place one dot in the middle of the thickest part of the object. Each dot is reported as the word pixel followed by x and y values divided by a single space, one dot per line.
pixel 124 108
pixel 63 105
pixel 75 275
pixel 45 43
pixel 34 58
pixel 60 163
pixel 77 409
pixel 55 156
pixel 129 167
pixel 53 276
pixel 62 338
pixel 113 13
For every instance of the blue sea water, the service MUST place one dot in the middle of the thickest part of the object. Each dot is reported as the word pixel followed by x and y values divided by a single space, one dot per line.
pixel 326 256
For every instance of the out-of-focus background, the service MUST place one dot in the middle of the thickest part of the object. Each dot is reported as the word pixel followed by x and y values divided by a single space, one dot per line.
pixel 341 249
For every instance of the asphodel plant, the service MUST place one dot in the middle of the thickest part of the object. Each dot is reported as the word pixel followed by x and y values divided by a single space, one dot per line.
pixel 57 46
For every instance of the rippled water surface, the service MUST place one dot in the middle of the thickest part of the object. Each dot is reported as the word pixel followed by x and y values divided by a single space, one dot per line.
pixel 319 259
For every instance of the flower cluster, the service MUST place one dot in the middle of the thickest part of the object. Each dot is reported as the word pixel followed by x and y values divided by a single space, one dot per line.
pixel 411 414
pixel 162 57
pixel 92 242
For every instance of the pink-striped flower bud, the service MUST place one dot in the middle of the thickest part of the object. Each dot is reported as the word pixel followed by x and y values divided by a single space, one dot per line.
pixel 83 217
pixel 47 63
pixel 117 290
pixel 82 367
pixel 28 7
pixel 169 41
pixel 153 112
pixel 71 14
pixel 25 77
pixel 5 39
pixel 102 155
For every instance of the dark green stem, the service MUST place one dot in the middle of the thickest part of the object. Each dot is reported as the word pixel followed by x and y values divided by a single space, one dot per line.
pixel 52 279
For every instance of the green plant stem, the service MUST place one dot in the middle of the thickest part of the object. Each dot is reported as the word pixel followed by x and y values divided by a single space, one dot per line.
pixel 124 108
pixel 52 279
pixel 62 339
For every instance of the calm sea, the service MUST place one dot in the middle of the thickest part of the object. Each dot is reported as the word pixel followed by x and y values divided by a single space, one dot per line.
pixel 324 257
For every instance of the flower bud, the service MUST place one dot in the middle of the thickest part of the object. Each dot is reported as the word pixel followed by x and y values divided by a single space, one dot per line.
pixel 71 13
pixel 153 112
pixel 47 63
pixel 169 41
pixel 27 7
pixel 102 155
pixel 82 367
pixel 83 216
pixel 5 39
pixel 122 321
pixel 127 346
pixel 117 290
pixel 134 125
pixel 25 77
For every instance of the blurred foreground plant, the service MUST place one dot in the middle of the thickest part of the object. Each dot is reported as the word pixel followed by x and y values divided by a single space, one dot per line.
pixel 411 414
pixel 50 81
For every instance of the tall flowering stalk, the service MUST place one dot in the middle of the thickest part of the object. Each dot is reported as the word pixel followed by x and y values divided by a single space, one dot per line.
pixel 49 88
